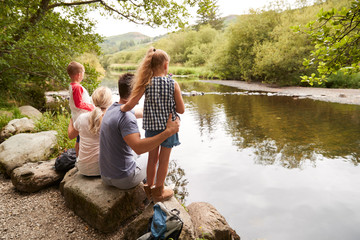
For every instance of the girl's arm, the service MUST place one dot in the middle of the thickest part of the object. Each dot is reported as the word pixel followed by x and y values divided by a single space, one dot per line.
pixel 132 102
pixel 72 132
pixel 179 102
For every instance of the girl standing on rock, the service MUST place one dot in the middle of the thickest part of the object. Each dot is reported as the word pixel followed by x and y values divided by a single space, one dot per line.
pixel 162 97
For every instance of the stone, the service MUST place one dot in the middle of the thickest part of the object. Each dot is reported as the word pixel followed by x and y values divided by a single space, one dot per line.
pixel 31 112
pixel 209 223
pixel 139 225
pixel 188 231
pixel 6 113
pixel 16 126
pixel 32 177
pixel 103 207
pixel 26 147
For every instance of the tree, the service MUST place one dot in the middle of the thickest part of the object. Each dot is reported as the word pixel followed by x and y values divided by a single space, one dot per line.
pixel 336 36
pixel 39 37
pixel 208 13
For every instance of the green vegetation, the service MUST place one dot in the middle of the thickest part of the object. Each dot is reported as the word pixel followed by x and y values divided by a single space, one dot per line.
pixel 335 34
pixel 259 46
pixel 39 38
pixel 58 121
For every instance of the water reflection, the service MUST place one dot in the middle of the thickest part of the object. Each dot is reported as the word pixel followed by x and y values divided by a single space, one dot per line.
pixel 176 177
pixel 280 130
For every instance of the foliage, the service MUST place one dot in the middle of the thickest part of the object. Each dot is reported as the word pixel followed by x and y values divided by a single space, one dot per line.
pixel 39 38
pixel 209 16
pixel 336 36
pixel 58 121
pixel 235 58
pixel 4 119
pixel 189 47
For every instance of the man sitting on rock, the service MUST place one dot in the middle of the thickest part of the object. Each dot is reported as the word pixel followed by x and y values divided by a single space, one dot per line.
pixel 119 135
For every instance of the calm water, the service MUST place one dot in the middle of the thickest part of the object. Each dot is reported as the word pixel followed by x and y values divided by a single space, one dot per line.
pixel 276 168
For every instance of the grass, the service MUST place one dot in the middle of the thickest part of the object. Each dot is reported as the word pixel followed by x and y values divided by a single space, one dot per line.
pixel 341 80
pixel 58 120
pixel 199 72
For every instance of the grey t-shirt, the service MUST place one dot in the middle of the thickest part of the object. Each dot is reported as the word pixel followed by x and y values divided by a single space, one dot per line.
pixel 116 158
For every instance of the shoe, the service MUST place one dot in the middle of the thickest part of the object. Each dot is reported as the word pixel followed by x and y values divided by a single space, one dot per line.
pixel 147 190
pixel 161 194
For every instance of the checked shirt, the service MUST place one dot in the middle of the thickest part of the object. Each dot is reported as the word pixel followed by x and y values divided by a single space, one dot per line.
pixel 159 103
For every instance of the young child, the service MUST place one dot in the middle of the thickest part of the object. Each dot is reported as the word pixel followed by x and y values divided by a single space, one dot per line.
pixel 162 97
pixel 79 98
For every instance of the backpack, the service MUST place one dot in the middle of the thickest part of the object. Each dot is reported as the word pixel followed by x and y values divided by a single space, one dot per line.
pixel 164 224
pixel 66 160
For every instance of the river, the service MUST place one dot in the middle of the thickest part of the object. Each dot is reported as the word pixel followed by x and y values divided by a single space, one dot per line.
pixel 275 167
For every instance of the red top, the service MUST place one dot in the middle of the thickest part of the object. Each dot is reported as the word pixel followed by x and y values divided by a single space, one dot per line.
pixel 77 96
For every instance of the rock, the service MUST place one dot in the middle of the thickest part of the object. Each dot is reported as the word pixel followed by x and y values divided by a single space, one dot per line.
pixel 209 223
pixel 30 112
pixel 32 177
pixel 103 207
pixel 139 225
pixel 6 113
pixel 341 95
pixel 26 147
pixel 188 231
pixel 16 126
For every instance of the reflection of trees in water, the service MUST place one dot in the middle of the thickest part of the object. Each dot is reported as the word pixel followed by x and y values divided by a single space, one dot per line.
pixel 206 113
pixel 287 132
pixel 282 130
pixel 176 177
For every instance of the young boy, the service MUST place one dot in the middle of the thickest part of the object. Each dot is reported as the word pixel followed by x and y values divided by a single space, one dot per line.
pixel 80 101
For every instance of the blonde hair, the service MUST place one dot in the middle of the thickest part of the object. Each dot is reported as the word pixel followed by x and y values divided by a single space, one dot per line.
pixel 153 59
pixel 74 68
pixel 102 99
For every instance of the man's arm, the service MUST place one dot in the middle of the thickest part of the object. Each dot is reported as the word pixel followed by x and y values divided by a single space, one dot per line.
pixel 143 145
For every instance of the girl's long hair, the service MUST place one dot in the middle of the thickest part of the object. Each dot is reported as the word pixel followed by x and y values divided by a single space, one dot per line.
pixel 102 99
pixel 153 59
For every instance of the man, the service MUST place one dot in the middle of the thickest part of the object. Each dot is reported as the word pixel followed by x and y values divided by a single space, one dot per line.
pixel 119 135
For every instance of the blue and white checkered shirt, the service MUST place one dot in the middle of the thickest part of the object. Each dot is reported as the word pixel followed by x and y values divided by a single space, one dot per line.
pixel 159 103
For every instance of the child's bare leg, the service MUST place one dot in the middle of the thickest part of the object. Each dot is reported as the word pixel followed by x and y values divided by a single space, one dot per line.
pixel 151 166
pixel 164 157
pixel 77 147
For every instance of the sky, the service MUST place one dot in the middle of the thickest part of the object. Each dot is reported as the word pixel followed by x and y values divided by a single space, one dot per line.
pixel 109 27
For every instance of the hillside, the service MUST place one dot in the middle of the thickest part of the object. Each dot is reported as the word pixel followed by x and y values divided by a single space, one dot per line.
pixel 119 42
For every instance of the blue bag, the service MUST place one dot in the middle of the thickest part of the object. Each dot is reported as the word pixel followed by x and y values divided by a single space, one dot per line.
pixel 164 224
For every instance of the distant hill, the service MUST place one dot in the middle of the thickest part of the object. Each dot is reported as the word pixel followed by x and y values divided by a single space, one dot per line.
pixel 119 42
pixel 230 19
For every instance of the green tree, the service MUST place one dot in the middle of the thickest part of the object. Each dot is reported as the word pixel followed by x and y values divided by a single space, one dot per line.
pixel 235 57
pixel 336 36
pixel 209 15
pixel 39 37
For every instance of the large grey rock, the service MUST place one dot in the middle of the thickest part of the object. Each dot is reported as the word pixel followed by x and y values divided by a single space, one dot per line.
pixel 209 223
pixel 16 126
pixel 26 147
pixel 31 112
pixel 102 207
pixel 32 177
pixel 139 225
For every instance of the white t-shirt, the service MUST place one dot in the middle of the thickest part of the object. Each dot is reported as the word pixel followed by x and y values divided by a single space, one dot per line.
pixel 88 159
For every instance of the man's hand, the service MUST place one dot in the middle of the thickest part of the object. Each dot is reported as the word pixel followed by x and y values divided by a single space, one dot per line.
pixel 173 126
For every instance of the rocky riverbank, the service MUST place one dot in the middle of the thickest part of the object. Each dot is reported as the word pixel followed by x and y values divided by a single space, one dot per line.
pixel 344 96
pixel 32 207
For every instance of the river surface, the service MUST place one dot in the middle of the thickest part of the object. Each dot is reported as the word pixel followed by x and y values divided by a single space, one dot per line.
pixel 277 168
